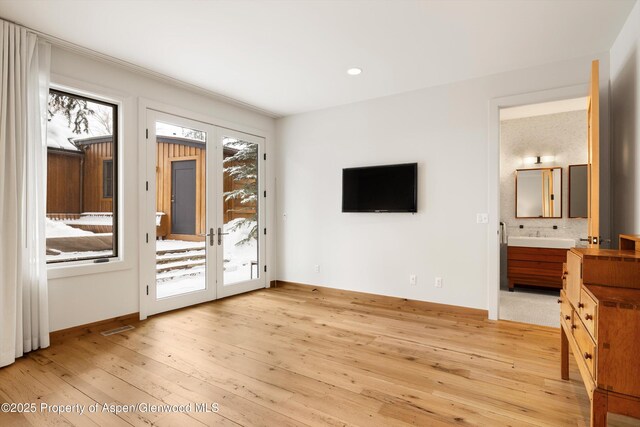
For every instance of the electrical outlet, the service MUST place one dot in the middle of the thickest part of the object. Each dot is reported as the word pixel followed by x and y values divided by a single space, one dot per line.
pixel 438 283
pixel 482 218
pixel 413 279
pixel 316 268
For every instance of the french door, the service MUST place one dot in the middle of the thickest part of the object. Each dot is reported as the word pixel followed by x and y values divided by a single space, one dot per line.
pixel 203 213
pixel 240 197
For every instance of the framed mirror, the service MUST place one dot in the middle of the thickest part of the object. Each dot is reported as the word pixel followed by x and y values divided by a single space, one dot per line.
pixel 539 193
pixel 578 190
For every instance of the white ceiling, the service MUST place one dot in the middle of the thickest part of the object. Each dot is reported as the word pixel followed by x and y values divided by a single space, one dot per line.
pixel 289 56
pixel 544 108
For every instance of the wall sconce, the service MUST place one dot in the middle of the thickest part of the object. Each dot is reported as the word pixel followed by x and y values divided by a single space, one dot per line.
pixel 538 160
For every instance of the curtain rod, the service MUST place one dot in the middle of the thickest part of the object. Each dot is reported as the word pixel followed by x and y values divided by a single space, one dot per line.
pixel 85 51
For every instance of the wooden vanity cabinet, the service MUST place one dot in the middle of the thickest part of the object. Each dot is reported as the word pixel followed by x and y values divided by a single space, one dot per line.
pixel 540 267
pixel 600 324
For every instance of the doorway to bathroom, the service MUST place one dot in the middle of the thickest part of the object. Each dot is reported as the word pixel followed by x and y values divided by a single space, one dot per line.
pixel 543 203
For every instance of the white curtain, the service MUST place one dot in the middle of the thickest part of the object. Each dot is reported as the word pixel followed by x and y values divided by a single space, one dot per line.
pixel 24 86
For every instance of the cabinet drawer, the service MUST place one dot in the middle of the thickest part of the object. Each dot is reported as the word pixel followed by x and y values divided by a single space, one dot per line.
pixel 566 312
pixel 588 311
pixel 536 254
pixel 585 344
pixel 574 277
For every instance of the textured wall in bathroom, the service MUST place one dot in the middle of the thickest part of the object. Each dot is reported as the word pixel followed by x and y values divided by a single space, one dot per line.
pixel 563 135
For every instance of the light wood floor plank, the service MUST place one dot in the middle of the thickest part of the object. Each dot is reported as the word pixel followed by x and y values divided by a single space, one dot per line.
pixel 296 356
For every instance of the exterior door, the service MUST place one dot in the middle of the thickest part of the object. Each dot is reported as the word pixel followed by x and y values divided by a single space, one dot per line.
pixel 241 225
pixel 204 213
pixel 593 172
pixel 183 197
pixel 179 251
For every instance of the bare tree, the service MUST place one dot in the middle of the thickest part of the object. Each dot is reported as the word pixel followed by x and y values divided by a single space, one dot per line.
pixel 103 120
pixel 76 111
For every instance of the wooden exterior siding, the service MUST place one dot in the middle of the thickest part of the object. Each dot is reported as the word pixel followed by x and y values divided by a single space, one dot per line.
pixel 68 172
pixel 64 177
pixel 95 154
pixel 167 153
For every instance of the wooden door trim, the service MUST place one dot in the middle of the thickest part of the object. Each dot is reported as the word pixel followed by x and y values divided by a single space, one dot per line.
pixel 593 146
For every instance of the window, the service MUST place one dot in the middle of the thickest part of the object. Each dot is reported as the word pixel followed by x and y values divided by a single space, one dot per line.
pixel 82 171
pixel 107 179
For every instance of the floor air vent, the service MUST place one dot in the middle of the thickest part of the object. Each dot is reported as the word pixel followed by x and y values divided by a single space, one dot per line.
pixel 116 330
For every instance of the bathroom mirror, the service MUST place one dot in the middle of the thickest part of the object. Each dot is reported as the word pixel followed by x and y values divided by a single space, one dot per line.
pixel 577 191
pixel 539 193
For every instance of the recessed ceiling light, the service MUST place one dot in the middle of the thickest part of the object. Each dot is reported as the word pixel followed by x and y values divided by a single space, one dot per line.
pixel 354 71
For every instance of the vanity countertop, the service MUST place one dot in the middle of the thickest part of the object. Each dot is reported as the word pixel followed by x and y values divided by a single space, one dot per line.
pixel 541 242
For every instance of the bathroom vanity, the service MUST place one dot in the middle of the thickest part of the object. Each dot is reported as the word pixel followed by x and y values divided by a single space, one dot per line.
pixel 536 261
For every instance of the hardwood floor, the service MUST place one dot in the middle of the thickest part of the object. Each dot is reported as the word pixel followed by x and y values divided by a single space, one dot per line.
pixel 306 356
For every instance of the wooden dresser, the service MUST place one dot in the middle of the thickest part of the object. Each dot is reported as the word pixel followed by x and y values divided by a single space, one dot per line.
pixel 600 323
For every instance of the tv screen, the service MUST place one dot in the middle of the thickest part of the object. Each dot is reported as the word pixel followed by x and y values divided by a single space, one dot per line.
pixel 388 188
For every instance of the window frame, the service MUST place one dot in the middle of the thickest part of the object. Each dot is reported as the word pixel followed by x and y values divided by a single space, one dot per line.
pixel 115 141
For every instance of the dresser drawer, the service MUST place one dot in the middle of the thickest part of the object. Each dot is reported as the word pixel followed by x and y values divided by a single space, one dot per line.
pixel 588 311
pixel 573 278
pixel 566 312
pixel 586 345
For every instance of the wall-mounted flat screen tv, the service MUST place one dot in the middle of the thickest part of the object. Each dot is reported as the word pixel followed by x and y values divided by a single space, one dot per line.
pixel 387 188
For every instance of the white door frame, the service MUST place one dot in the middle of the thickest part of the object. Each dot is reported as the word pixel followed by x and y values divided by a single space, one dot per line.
pixel 249 285
pixel 493 230
pixel 143 223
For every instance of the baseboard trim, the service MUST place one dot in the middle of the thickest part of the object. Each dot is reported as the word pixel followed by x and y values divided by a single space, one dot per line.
pixel 423 305
pixel 101 325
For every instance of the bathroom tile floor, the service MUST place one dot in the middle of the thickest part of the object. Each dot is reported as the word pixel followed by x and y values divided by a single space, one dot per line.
pixel 527 306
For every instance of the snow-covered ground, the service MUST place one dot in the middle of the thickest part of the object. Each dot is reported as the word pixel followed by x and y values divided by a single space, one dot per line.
pixel 91 220
pixel 58 228
pixel 174 245
pixel 67 256
pixel 237 262
pixel 192 279
pixel 237 259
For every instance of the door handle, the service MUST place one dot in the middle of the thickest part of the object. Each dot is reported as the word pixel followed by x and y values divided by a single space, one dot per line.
pixel 220 234
pixel 210 235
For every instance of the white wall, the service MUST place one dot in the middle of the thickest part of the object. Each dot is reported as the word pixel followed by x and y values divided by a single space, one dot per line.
pixel 625 130
pixel 87 298
pixel 562 135
pixel 445 130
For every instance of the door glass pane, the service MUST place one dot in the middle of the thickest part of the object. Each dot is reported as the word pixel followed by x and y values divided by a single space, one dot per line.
pixel 180 210
pixel 240 210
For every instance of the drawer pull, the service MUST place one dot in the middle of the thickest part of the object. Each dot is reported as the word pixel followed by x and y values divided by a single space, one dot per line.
pixel 588 317
pixel 580 305
pixel 587 355
pixel 559 301
pixel 567 317
pixel 574 327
